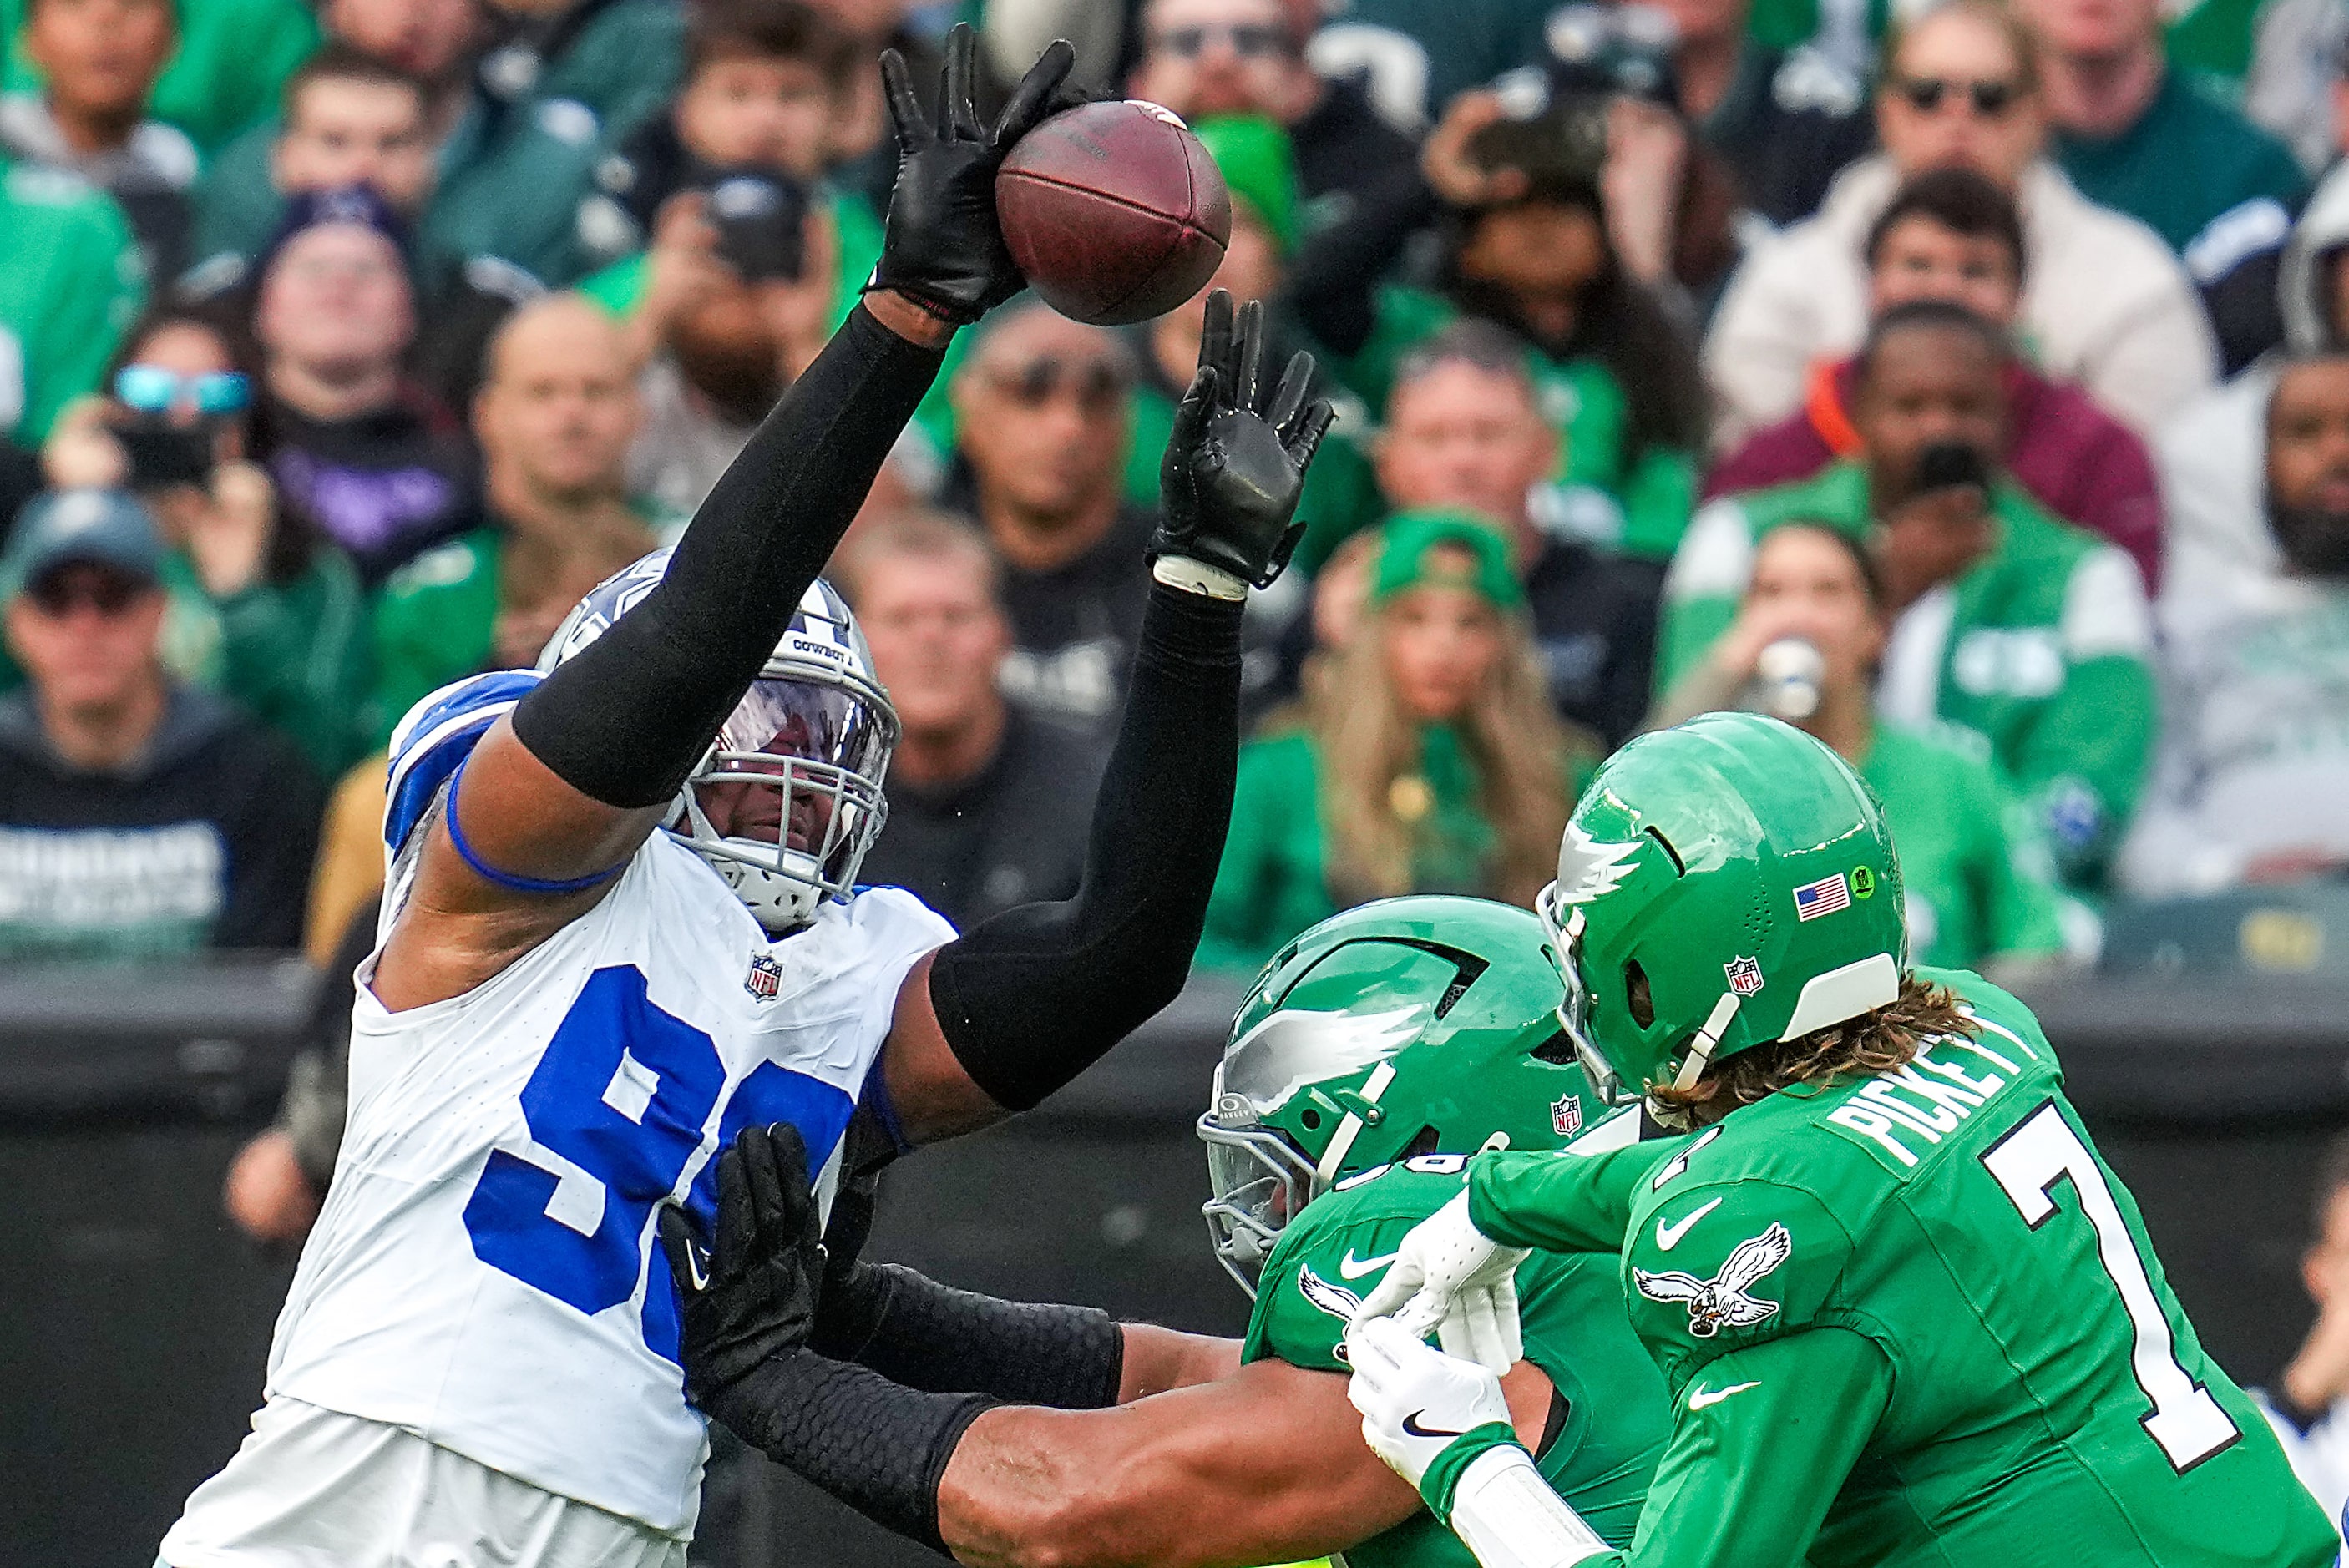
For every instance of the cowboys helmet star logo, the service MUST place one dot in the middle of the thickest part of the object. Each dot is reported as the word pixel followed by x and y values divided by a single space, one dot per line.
pixel 1720 1301
pixel 1590 868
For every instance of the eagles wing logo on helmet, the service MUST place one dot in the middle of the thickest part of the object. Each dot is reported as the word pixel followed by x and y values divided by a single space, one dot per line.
pixel 1721 1301
pixel 1590 867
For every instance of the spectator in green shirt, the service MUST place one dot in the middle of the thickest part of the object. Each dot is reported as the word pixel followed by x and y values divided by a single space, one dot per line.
pixel 262 607
pixel 554 419
pixel 99 61
pixel 2005 621
pixel 2137 135
pixel 232 57
pixel 70 281
pixel 1977 880
pixel 500 199
pixel 1425 758
pixel 1530 250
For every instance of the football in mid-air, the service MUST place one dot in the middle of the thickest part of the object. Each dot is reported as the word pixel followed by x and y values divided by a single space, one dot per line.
pixel 1115 211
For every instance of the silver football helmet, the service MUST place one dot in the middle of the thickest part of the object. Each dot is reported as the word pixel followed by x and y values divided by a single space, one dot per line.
pixel 795 770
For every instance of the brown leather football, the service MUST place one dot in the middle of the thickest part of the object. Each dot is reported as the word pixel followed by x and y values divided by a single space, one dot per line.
pixel 1115 211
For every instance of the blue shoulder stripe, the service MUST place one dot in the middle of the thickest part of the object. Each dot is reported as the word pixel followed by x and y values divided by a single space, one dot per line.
pixel 438 734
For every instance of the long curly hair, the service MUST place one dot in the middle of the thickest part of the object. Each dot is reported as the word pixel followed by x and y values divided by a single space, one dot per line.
pixel 1875 1042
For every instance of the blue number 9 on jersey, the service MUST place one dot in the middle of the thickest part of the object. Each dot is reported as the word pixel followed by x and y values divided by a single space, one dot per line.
pixel 623 1092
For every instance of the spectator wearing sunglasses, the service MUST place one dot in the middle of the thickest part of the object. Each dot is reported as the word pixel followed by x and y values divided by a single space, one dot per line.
pixel 2139 138
pixel 2104 302
pixel 263 608
pixel 1952 235
pixel 1204 57
pixel 1043 411
pixel 139 816
pixel 99 61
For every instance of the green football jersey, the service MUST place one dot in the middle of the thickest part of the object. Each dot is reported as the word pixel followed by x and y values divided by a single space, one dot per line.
pixel 1598 1456
pixel 1912 1318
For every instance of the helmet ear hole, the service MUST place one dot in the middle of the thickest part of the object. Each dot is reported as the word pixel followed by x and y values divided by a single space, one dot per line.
pixel 1641 1001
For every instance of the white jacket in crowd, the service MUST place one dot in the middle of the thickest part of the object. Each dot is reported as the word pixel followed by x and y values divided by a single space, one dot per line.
pixel 2104 303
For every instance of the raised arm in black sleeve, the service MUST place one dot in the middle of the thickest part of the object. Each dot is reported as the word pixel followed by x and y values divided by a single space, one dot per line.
pixel 1029 999
pixel 626 721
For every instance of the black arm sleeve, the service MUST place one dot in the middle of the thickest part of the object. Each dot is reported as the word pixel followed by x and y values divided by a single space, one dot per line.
pixel 627 720
pixel 1332 286
pixel 1031 998
pixel 915 1331
pixel 878 1448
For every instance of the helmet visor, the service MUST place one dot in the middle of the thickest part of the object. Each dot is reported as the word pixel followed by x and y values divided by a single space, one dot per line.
pixel 1574 1011
pixel 798 765
pixel 1259 1184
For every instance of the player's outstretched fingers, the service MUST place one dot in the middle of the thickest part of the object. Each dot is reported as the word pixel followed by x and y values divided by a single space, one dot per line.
pixel 1505 1311
pixel 688 1259
pixel 1032 101
pixel 1472 1332
pixel 957 116
pixel 737 1239
pixel 787 1216
pixel 1215 341
pixel 1288 398
pixel 905 116
pixel 1248 388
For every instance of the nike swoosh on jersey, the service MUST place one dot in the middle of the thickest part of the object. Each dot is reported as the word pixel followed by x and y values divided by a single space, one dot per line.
pixel 1351 1267
pixel 1668 1236
pixel 1412 1429
pixel 1700 1397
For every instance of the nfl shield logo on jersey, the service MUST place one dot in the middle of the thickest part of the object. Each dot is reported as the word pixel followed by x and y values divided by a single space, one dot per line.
pixel 1566 1115
pixel 765 978
pixel 1744 975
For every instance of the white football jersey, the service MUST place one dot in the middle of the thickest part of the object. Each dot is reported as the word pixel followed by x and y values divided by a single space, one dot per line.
pixel 484 1273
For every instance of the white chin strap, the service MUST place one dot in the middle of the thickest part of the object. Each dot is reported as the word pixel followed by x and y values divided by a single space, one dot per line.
pixel 1701 1049
pixel 781 903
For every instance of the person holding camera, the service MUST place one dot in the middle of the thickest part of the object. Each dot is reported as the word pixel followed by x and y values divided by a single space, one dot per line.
pixel 2003 620
pixel 261 607
pixel 1527 209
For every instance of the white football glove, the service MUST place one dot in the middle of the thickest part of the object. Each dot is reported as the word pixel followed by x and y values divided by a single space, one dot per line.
pixel 1451 1278
pixel 1416 1401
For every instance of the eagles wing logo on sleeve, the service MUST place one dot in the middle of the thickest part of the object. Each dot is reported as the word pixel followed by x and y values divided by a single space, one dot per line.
pixel 1590 867
pixel 1721 1301
pixel 1334 1299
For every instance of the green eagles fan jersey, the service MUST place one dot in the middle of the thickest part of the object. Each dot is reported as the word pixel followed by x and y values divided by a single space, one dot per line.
pixel 1598 1458
pixel 1912 1318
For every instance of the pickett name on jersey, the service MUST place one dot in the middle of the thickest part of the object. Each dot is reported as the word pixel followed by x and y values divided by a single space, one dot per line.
pixel 1924 1098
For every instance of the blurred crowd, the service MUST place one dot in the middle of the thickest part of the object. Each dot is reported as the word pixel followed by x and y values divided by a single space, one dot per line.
pixel 1964 381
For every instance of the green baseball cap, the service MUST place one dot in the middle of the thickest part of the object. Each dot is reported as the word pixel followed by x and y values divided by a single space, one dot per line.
pixel 1259 166
pixel 62 528
pixel 1411 537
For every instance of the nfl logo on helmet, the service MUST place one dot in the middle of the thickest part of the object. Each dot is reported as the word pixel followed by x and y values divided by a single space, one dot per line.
pixel 1566 1115
pixel 1744 975
pixel 765 978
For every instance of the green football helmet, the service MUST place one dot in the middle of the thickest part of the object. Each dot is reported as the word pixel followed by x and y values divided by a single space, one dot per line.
pixel 1745 872
pixel 1408 1026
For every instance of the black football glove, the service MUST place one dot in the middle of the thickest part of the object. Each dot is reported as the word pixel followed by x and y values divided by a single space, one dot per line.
pixel 753 1295
pixel 942 247
pixel 1236 465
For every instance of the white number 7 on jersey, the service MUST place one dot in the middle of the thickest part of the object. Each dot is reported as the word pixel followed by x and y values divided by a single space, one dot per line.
pixel 2028 1163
